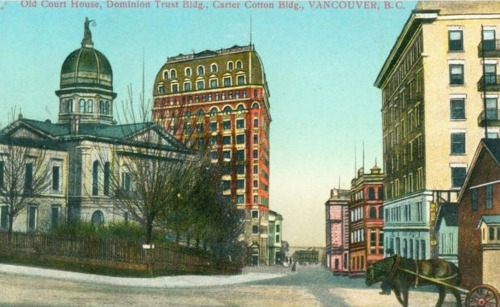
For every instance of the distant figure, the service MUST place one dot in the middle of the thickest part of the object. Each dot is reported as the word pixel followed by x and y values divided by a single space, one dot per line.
pixel 294 266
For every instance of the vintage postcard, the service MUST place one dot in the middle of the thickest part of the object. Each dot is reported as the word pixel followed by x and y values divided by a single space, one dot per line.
pixel 249 153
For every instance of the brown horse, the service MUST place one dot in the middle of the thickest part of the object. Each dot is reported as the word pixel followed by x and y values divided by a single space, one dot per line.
pixel 396 271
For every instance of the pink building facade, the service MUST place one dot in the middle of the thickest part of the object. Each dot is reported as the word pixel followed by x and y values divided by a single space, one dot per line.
pixel 337 231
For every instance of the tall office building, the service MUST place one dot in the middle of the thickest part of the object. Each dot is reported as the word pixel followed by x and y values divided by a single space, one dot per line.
pixel 435 108
pixel 219 101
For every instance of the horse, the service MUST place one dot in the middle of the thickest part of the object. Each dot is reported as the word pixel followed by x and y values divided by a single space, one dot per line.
pixel 396 271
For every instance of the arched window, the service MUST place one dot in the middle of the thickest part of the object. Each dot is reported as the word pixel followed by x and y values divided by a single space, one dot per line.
pixel 230 66
pixel 373 213
pixel 82 106
pixel 95 178
pixel 165 75
pixel 97 218
pixel 90 106
pixel 69 105
pixel 173 74
pixel 101 106
pixel 188 72
pixel 239 65
pixel 241 108
pixel 106 178
pixel 371 193
pixel 380 213
pixel 107 109
pixel 213 111
pixel 213 68
pixel 200 112
pixel 201 70
pixel 381 193
pixel 228 109
pixel 255 105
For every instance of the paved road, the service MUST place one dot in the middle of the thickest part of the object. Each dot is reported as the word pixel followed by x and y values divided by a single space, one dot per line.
pixel 309 286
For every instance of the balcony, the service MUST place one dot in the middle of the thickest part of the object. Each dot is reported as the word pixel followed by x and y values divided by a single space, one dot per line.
pixel 490 48
pixel 492 117
pixel 491 83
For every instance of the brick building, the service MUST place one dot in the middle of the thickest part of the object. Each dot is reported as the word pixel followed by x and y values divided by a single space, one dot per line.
pixel 366 220
pixel 218 100
pixel 479 218
pixel 337 231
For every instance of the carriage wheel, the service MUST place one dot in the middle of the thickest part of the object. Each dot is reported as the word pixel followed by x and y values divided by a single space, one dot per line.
pixel 482 296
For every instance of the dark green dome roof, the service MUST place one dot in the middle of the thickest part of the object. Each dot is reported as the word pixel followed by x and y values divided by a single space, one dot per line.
pixel 86 60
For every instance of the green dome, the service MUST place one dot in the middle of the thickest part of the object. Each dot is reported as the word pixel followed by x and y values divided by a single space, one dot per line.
pixel 88 60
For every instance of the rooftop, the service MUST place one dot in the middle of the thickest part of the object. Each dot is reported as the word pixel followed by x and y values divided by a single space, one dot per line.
pixel 209 53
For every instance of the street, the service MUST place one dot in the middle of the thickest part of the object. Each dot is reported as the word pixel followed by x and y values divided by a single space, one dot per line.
pixel 308 286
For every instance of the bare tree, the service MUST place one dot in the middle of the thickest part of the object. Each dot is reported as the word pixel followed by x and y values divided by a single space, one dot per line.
pixel 26 176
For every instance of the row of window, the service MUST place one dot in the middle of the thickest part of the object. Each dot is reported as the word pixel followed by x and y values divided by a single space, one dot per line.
pixel 213 83
pixel 87 106
pixel 373 194
pixel 487 197
pixel 376 247
pixel 404 213
pixel 456 39
pixel 457 74
pixel 413 249
pixel 217 96
pixel 29 181
pixel 227 155
pixel 200 70
pixel 457 108
pixel 357 236
pixel 32 217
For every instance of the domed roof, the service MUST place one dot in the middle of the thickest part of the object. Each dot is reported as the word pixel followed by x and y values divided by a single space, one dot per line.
pixel 86 60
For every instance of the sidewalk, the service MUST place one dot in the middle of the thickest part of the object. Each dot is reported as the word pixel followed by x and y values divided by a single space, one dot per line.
pixel 249 275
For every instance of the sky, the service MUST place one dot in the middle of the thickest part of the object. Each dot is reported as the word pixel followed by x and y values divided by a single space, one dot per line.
pixel 320 64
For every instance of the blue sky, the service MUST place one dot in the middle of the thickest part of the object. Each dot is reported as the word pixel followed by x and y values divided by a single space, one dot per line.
pixel 320 67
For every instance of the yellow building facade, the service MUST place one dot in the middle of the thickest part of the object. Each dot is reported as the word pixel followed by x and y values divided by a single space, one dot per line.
pixel 433 102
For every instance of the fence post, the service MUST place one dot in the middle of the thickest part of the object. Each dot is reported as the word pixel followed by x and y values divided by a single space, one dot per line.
pixel 149 251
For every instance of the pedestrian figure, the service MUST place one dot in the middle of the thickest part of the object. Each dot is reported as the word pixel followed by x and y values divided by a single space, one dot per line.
pixel 294 266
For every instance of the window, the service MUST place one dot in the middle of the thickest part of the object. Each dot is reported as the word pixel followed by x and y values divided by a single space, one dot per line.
pixel 227 81
pixel 458 143
pixel 255 214
pixel 213 155
pixel 226 155
pixel 4 217
pixel 173 74
pixel 240 123
pixel 55 178
pixel 255 154
pixel 106 178
pixel 213 68
pixel 240 169
pixel 457 108
pixel 371 193
pixel 490 74
pixel 240 199
pixel 256 123
pixel 175 88
pixel 255 139
pixel 230 66
pixel 106 107
pixel 97 218
pixel 239 65
pixel 32 215
pixel 491 231
pixel 213 140
pixel 82 106
pixel 199 127
pixel 69 105
pixel 165 75
pixel 455 40
pixel 380 193
pixel 255 229
pixel 277 238
pixel 488 196
pixel 255 183
pixel 240 155
pixel 187 86
pixel 55 217
pixel 373 213
pixel 28 178
pixel 90 106
pixel 226 125
pixel 227 109
pixel 126 181
pixel 213 126
pixel 95 178
pixel 240 139
pixel 101 106
pixel 213 83
pixel 492 108
pixel 199 85
pixel 226 184
pixel 457 176
pixel 187 71
pixel 456 74
pixel 489 37
pixel 241 80
pixel 240 184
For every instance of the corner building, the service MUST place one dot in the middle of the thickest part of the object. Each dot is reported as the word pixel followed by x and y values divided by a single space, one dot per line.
pixel 219 101
pixel 433 118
